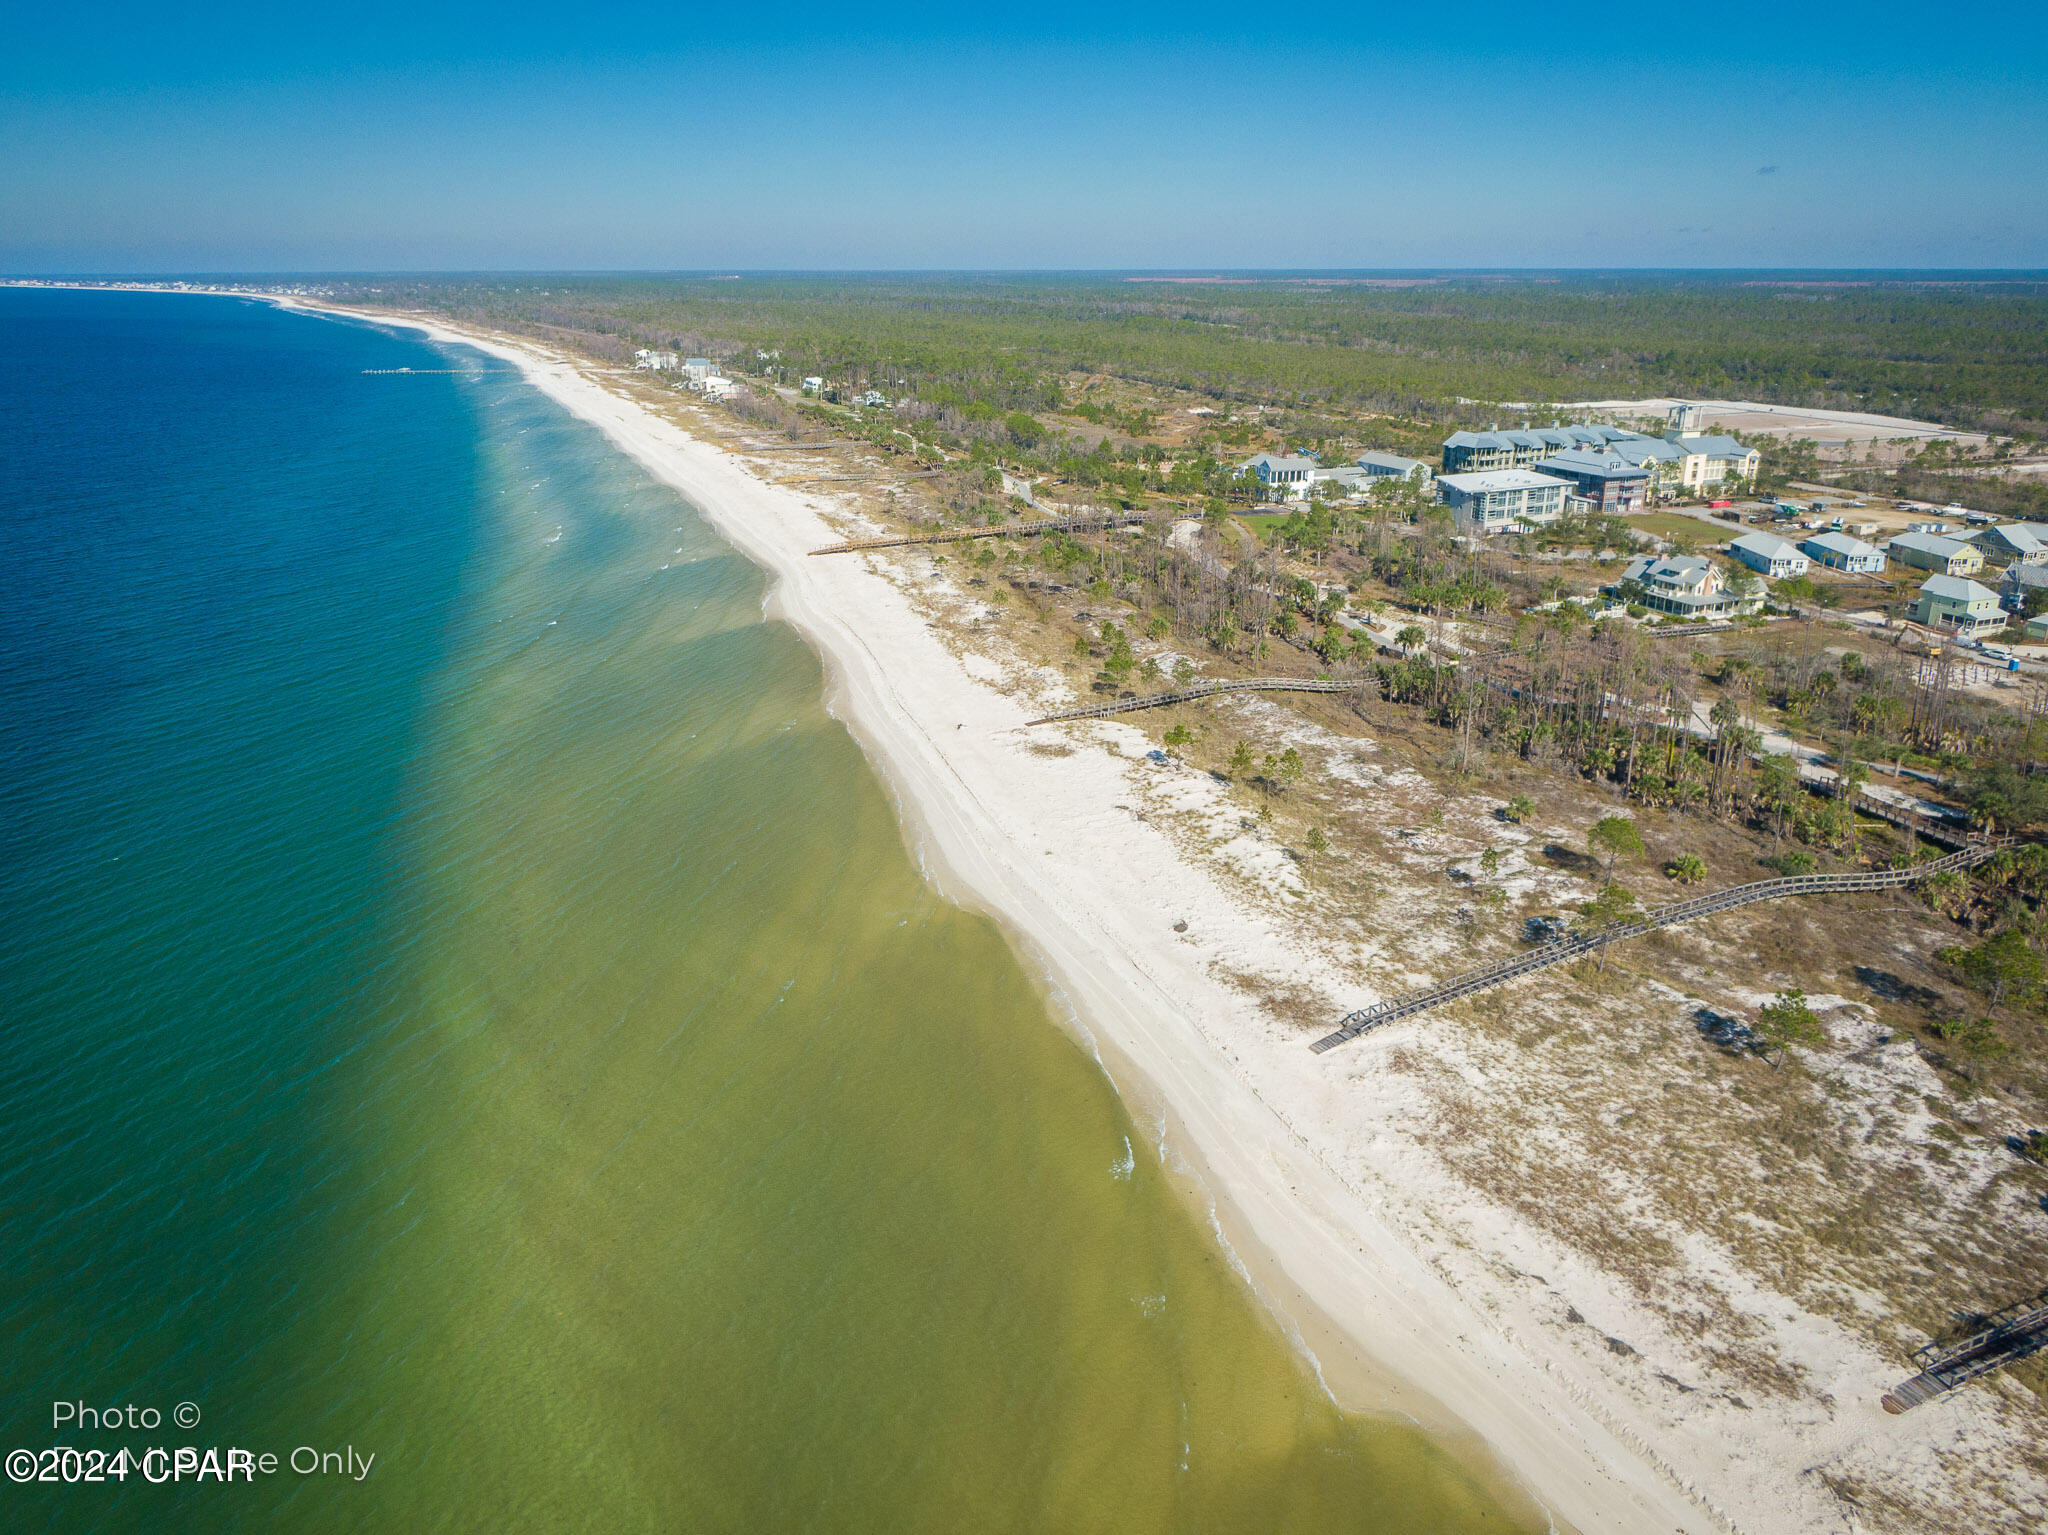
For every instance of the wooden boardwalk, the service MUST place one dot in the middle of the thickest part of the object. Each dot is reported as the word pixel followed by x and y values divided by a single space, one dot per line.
pixel 1564 950
pixel 1195 690
pixel 2007 1337
pixel 1092 522
pixel 1954 834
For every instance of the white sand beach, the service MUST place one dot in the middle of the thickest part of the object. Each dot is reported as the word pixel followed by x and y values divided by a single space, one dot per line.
pixel 1387 1268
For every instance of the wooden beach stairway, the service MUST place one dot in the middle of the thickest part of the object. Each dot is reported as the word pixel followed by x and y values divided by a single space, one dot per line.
pixel 2005 1338
pixel 1194 690
pixel 1087 522
pixel 1564 950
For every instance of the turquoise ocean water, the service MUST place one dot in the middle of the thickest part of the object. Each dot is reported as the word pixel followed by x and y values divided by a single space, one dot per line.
pixel 469 1011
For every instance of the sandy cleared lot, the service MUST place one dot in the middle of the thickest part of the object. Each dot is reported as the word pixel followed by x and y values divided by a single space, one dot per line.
pixel 1827 427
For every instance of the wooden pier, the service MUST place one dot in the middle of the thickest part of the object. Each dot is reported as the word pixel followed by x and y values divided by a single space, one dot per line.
pixel 1564 950
pixel 2005 1337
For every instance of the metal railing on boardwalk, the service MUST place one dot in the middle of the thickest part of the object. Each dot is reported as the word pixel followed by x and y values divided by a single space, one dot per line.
pixel 1087 522
pixel 1564 950
pixel 1194 690
pixel 2009 1336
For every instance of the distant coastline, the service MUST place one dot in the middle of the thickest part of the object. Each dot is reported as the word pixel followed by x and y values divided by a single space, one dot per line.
pixel 1321 1213
pixel 987 819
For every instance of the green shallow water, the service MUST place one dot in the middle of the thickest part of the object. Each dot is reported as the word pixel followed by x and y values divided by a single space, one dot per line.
pixel 673 1158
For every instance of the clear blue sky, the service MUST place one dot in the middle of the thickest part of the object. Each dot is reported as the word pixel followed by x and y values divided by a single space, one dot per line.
pixel 385 136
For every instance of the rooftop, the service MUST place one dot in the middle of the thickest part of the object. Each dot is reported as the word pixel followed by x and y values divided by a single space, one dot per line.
pixel 1930 543
pixel 1769 545
pixel 1841 543
pixel 1499 479
pixel 1713 447
pixel 1584 461
pixel 1373 459
pixel 1957 589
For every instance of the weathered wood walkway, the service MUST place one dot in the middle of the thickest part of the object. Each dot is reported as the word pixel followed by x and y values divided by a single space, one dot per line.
pixel 1092 522
pixel 1947 833
pixel 2008 1336
pixel 1194 690
pixel 1564 950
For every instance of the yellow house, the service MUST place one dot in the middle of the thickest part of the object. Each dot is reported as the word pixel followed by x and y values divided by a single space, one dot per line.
pixel 1930 551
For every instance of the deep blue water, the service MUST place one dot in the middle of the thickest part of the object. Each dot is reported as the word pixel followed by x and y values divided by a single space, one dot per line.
pixel 229 558
pixel 463 1000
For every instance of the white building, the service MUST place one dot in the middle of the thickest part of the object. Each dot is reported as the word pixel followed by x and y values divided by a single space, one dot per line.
pixel 1283 476
pixel 1343 480
pixel 1770 555
pixel 814 385
pixel 659 362
pixel 718 387
pixel 1392 466
pixel 1706 462
pixel 1838 551
pixel 698 369
pixel 1503 500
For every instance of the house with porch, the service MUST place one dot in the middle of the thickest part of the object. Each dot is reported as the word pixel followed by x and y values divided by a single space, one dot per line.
pixel 1954 605
pixel 2019 583
pixel 1283 476
pixel 1683 585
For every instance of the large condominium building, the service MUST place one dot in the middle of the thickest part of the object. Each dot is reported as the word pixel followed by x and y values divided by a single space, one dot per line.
pixel 1683 459
pixel 1706 462
pixel 1606 482
pixel 1476 452
pixel 1502 500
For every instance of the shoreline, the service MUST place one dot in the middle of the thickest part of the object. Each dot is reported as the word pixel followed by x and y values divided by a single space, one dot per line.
pixel 1315 1250
pixel 1385 1325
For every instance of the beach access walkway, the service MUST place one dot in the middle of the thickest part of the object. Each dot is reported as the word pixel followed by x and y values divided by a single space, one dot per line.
pixel 2005 1337
pixel 1082 522
pixel 1577 946
pixel 1193 690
